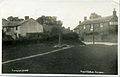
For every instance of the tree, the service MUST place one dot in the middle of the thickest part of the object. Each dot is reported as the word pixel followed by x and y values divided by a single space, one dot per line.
pixel 49 20
pixel 41 20
pixel 55 31
pixel 94 15
pixel 11 18
pixel 59 23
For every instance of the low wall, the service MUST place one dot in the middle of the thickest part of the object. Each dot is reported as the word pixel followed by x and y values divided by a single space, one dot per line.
pixel 100 38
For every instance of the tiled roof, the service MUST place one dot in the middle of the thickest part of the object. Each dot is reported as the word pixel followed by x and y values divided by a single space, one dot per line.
pixel 77 27
pixel 97 20
pixel 6 23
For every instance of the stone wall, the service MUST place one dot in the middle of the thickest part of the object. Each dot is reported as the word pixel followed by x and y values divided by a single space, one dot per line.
pixel 101 38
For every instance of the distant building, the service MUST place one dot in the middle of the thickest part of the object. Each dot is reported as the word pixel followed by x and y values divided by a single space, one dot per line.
pixel 101 28
pixel 66 30
pixel 21 28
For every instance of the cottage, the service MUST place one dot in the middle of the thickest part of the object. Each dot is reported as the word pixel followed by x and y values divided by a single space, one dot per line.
pixel 103 29
pixel 21 28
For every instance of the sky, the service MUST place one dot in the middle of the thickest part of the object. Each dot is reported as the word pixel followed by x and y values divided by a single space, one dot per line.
pixel 70 12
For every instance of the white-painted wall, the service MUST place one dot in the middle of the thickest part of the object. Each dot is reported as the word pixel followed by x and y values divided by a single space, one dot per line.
pixel 30 26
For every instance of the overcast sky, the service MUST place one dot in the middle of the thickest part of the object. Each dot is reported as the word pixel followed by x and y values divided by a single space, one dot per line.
pixel 69 11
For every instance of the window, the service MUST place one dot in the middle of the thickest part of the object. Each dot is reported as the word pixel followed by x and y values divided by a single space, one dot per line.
pixel 113 23
pixel 101 25
pixel 4 29
pixel 16 28
pixel 110 23
pixel 91 27
pixel 84 27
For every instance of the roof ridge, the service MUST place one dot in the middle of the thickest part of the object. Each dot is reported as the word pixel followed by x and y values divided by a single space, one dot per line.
pixel 100 17
pixel 26 20
pixel 97 20
pixel 16 23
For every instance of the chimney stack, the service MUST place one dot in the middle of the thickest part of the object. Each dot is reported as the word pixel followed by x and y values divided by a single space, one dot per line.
pixel 85 18
pixel 68 28
pixel 79 22
pixel 26 17
pixel 114 12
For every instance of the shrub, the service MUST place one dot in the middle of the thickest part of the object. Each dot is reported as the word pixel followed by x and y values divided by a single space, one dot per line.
pixel 44 38
pixel 70 36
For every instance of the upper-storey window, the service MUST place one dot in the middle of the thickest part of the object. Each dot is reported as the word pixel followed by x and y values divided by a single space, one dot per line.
pixel 16 28
pixel 101 25
pixel 91 27
pixel 113 23
pixel 4 29
pixel 84 27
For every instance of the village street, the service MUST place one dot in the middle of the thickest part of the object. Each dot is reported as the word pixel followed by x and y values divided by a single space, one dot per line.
pixel 92 59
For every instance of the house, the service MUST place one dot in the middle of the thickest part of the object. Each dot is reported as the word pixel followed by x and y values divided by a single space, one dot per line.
pixel 103 29
pixel 66 30
pixel 21 28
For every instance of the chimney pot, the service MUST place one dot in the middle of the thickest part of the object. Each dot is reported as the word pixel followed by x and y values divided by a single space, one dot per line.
pixel 79 22
pixel 26 17
pixel 114 12
pixel 68 28
pixel 85 18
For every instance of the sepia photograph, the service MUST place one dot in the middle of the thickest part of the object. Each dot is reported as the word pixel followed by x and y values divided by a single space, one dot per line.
pixel 75 37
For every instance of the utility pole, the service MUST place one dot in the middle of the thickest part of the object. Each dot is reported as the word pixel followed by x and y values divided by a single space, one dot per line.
pixel 93 35
pixel 60 33
pixel 60 39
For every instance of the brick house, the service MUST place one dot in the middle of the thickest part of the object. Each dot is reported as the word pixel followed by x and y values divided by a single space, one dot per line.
pixel 21 28
pixel 103 29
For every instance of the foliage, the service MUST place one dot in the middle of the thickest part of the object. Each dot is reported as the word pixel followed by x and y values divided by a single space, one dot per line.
pixel 11 18
pixel 43 38
pixel 70 36
pixel 6 37
pixel 49 20
pixel 55 31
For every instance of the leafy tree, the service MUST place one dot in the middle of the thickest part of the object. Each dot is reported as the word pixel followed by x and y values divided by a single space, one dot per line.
pixel 11 18
pixel 59 23
pixel 41 20
pixel 55 31
pixel 49 20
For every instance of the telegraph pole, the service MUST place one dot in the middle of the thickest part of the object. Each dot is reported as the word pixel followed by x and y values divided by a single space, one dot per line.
pixel 93 35
pixel 60 33
pixel 59 37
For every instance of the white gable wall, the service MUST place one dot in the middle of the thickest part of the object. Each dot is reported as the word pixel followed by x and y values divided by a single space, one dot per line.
pixel 31 26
